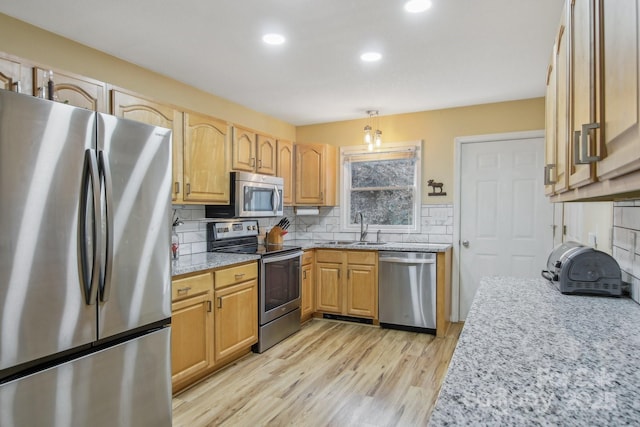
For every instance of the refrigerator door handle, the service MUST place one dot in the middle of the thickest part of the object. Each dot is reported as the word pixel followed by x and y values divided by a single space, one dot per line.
pixel 105 177
pixel 90 181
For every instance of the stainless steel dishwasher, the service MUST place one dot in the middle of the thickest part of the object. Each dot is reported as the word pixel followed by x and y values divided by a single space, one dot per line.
pixel 407 290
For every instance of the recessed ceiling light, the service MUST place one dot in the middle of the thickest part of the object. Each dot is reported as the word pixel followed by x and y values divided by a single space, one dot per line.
pixel 417 6
pixel 273 38
pixel 371 56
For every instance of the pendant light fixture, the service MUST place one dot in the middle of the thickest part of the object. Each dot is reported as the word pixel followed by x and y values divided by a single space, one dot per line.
pixel 372 138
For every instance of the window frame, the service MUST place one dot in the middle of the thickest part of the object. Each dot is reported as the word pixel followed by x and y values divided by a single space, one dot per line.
pixel 390 150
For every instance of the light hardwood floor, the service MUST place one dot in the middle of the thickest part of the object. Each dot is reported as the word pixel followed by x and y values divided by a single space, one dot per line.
pixel 330 373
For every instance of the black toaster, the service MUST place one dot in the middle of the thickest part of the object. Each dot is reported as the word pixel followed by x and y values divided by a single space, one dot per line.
pixel 578 269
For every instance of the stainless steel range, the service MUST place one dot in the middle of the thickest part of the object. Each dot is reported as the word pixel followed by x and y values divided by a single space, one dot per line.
pixel 279 273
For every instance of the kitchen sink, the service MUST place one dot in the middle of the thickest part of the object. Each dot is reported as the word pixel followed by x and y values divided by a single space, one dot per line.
pixel 370 243
pixel 338 242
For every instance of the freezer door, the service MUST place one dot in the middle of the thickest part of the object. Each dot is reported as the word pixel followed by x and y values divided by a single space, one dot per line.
pixel 43 151
pixel 125 385
pixel 135 163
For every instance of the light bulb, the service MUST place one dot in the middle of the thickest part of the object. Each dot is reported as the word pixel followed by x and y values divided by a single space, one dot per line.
pixel 378 138
pixel 367 134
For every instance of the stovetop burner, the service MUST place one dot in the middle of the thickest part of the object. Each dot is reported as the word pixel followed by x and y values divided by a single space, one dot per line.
pixel 241 237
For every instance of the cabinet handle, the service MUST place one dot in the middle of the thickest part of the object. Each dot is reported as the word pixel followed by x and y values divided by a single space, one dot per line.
pixel 219 302
pixel 176 187
pixel 321 195
pixel 547 174
pixel 253 162
pixel 304 274
pixel 184 290
pixel 239 276
pixel 188 188
pixel 260 163
pixel 348 273
pixel 209 306
pixel 581 145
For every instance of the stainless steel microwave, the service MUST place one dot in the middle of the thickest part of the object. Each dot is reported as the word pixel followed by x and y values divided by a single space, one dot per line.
pixel 252 195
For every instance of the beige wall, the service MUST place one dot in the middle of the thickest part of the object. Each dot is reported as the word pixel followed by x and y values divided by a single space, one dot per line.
pixel 29 42
pixel 437 129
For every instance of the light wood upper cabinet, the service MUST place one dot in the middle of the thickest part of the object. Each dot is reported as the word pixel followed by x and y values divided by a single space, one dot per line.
pixel 620 85
pixel 603 96
pixel 244 150
pixel 134 107
pixel 191 329
pixel 315 169
pixel 557 115
pixel 75 90
pixel 207 155
pixel 253 152
pixel 10 73
pixel 584 94
pixel 347 282
pixel 266 149
pixel 284 169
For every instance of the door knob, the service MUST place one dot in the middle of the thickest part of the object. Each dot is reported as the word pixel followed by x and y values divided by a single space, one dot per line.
pixel 465 243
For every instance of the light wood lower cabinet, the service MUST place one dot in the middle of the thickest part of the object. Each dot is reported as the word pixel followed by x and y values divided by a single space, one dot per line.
pixel 214 321
pixel 191 329
pixel 347 283
pixel 236 309
pixel 307 288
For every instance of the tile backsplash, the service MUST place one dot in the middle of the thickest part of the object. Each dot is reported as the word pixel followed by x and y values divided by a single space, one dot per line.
pixel 436 227
pixel 626 243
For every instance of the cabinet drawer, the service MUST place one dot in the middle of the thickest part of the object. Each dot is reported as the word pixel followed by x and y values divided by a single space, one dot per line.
pixel 232 275
pixel 361 257
pixel 192 285
pixel 328 256
pixel 307 257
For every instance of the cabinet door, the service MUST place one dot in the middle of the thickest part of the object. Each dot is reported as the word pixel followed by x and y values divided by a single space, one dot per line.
pixel 328 287
pixel 362 287
pixel 236 318
pixel 621 124
pixel 10 71
pixel 562 137
pixel 143 110
pixel 284 163
pixel 550 142
pixel 207 151
pixel 244 150
pixel 307 291
pixel 191 337
pixel 584 92
pixel 310 172
pixel 266 149
pixel 74 90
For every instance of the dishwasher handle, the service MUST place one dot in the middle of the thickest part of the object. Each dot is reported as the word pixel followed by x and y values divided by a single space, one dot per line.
pixel 407 260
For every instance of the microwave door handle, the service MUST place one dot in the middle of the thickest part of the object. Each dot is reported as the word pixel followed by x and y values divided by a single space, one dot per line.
pixel 276 198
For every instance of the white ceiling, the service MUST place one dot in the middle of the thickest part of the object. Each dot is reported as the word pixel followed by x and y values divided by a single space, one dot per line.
pixel 459 52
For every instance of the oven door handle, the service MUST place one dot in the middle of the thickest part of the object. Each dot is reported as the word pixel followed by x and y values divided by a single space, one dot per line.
pixel 277 258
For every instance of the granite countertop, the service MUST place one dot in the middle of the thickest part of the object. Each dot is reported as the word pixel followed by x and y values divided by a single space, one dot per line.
pixel 206 261
pixel 529 355
pixel 385 246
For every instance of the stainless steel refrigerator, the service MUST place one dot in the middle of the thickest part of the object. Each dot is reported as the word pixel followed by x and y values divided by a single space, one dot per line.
pixel 85 283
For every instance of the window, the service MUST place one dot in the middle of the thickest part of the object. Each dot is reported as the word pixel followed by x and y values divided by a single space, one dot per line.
pixel 383 185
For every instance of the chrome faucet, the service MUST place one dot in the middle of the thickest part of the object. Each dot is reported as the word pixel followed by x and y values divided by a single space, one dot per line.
pixel 363 229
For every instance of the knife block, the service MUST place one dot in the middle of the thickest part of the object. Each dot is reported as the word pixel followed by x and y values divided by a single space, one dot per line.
pixel 274 236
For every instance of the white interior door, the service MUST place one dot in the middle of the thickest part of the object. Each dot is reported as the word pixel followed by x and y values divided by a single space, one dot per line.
pixel 505 219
